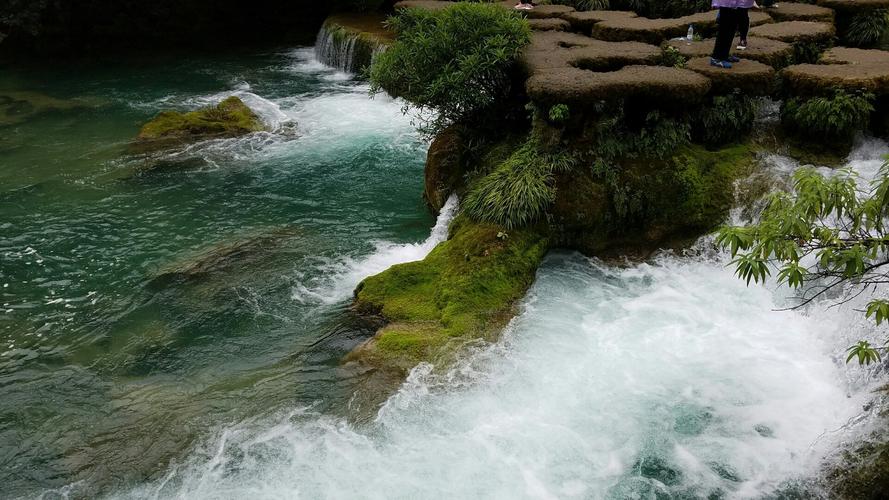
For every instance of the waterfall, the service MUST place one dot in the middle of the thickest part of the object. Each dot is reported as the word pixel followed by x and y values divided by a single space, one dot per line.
pixel 346 50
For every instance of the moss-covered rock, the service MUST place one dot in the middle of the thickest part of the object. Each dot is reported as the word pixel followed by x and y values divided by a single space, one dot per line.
pixel 639 204
pixel 230 118
pixel 464 290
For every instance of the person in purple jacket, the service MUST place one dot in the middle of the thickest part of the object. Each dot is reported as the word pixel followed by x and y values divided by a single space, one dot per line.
pixel 730 12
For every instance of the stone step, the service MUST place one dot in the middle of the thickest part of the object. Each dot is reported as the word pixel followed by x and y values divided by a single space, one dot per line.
pixel 750 77
pixel 841 67
pixel 774 53
pixel 655 31
pixel 574 86
pixel 552 24
pixel 554 51
pixel 789 11
pixel 796 31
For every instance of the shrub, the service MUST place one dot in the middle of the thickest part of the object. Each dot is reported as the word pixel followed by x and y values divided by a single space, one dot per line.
pixel 672 57
pixel 518 192
pixel 725 119
pixel 836 117
pixel 560 113
pixel 454 63
pixel 867 28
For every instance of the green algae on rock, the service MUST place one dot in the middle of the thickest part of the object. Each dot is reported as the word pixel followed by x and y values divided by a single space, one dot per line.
pixel 230 118
pixel 464 290
pixel 639 204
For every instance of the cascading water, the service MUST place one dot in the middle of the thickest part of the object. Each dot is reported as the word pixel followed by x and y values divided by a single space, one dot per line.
pixel 346 50
pixel 668 379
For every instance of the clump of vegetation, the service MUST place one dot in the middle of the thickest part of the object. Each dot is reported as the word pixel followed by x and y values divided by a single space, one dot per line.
pixel 672 57
pixel 519 190
pixel 623 134
pixel 453 64
pixel 463 290
pixel 835 118
pixel 229 118
pixel 867 28
pixel 692 188
pixel 826 235
pixel 725 119
pixel 560 113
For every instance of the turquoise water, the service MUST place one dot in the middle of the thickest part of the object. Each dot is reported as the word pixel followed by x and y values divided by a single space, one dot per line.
pixel 172 325
pixel 141 309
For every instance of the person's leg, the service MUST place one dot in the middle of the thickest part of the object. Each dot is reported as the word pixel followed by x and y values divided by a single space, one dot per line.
pixel 728 25
pixel 744 25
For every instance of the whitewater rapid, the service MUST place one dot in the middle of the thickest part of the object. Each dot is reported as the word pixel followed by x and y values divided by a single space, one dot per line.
pixel 665 378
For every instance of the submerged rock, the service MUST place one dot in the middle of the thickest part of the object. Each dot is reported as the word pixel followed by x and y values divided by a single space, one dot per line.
pixel 19 106
pixel 222 256
pixel 230 118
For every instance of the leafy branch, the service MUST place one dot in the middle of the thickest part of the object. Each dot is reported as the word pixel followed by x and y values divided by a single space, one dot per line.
pixel 827 230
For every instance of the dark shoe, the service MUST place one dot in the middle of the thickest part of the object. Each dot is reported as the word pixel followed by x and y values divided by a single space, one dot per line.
pixel 734 59
pixel 720 64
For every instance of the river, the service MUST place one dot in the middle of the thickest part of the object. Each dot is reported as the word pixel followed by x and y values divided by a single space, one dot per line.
pixel 177 333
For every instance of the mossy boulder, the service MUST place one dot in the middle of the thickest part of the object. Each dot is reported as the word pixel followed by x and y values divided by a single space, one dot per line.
pixel 645 203
pixel 230 118
pixel 464 290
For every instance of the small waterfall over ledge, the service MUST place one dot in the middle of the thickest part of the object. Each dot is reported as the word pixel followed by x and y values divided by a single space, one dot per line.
pixel 350 43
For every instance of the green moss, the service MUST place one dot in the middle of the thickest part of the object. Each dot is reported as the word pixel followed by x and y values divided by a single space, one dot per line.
pixel 464 290
pixel 639 204
pixel 229 118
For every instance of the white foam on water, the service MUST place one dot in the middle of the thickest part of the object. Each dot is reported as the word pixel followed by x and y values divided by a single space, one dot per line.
pixel 668 377
pixel 342 276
